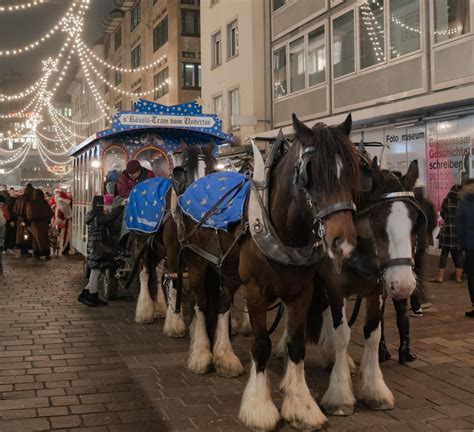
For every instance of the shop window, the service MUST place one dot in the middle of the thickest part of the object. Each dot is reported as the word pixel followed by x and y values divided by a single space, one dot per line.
pixel 191 75
pixel 217 105
pixel 451 19
pixel 316 57
pixel 160 34
pixel 136 57
pixel 405 32
pixel 279 73
pixel 118 38
pixel 371 33
pixel 343 45
pixel 277 4
pixel 190 25
pixel 232 39
pixel 234 105
pixel 297 65
pixel 216 49
pixel 161 83
pixel 135 15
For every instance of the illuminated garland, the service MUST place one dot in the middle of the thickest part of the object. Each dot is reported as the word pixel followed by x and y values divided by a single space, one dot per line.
pixel 21 7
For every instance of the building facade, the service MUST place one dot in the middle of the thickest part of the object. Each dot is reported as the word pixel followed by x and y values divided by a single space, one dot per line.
pixel 403 68
pixel 235 85
pixel 165 33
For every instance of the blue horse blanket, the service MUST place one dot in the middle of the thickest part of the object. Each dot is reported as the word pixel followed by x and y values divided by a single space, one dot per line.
pixel 204 193
pixel 146 205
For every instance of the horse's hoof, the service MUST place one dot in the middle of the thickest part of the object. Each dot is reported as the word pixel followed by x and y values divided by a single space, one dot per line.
pixel 159 314
pixel 340 410
pixel 379 405
pixel 200 363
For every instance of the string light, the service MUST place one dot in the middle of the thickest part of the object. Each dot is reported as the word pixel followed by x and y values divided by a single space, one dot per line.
pixel 18 165
pixel 20 7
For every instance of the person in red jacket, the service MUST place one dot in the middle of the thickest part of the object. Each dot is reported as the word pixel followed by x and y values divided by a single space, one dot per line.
pixel 133 174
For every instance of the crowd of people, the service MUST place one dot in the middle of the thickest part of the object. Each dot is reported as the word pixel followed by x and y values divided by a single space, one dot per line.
pixel 31 221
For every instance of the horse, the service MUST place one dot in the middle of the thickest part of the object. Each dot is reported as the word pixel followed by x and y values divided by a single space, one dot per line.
pixel 382 264
pixel 308 215
pixel 163 245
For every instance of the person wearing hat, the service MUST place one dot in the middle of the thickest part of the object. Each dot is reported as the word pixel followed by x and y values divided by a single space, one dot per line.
pixel 132 175
pixel 23 237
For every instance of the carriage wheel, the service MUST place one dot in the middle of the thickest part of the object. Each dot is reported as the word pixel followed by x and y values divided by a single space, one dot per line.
pixel 111 285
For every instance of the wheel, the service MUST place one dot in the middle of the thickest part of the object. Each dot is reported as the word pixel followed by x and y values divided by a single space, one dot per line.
pixel 111 285
pixel 86 269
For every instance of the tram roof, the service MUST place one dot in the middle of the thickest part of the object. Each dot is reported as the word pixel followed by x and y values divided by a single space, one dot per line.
pixel 171 123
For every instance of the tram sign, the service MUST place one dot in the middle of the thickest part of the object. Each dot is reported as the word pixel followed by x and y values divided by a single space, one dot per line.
pixel 134 119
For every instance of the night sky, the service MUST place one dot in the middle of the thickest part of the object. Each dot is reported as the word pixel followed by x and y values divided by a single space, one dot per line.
pixel 20 28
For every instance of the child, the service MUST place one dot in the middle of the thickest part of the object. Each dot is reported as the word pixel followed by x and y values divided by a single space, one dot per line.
pixel 98 259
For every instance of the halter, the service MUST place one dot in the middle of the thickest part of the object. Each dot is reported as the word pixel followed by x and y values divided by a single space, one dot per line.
pixel 391 197
pixel 301 180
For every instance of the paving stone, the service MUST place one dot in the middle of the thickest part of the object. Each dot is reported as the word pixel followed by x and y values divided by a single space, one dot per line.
pixel 25 425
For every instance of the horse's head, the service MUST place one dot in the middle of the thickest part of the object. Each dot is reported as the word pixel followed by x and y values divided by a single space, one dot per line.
pixel 392 220
pixel 325 175
pixel 196 161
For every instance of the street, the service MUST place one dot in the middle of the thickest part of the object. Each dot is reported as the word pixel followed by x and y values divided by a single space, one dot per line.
pixel 68 367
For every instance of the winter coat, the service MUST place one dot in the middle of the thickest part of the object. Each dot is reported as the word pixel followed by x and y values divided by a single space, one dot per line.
pixel 447 235
pixel 126 183
pixel 39 215
pixel 465 218
pixel 20 212
pixel 429 211
pixel 97 232
pixel 2 224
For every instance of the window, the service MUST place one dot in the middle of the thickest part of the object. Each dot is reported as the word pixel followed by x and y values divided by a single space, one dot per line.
pixel 160 34
pixel 136 57
pixel 117 39
pixel 279 73
pixel 316 57
pixel 161 83
pixel 217 105
pixel 118 77
pixel 190 25
pixel 451 19
pixel 187 2
pixel 135 15
pixel 216 49
pixel 405 30
pixel 277 4
pixel 297 65
pixel 234 105
pixel 232 39
pixel 371 33
pixel 343 45
pixel 191 75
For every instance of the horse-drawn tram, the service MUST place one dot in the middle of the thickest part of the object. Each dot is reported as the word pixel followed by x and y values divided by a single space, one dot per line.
pixel 152 134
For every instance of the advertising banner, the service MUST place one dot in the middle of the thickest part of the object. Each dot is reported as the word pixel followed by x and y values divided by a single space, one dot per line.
pixel 449 144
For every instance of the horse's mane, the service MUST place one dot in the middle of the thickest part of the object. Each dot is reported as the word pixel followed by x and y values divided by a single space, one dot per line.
pixel 192 157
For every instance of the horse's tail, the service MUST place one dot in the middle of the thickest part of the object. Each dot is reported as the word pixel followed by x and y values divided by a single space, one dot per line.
pixel 151 263
pixel 314 317
pixel 212 300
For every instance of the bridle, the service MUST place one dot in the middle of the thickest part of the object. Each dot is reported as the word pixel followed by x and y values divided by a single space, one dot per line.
pixel 300 179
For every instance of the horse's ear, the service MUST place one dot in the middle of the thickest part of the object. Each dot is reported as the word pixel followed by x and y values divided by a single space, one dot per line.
pixel 302 131
pixel 184 146
pixel 409 179
pixel 211 146
pixel 346 125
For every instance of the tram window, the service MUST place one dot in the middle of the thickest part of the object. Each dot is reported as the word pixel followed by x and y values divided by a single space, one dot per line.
pixel 158 161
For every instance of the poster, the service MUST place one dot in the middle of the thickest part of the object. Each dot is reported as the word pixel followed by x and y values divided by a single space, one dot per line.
pixel 449 143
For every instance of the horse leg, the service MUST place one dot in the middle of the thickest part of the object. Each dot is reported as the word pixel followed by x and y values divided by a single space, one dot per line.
pixel 298 408
pixel 325 344
pixel 257 409
pixel 281 350
pixel 226 363
pixel 160 302
pixel 339 398
pixel 144 309
pixel 245 326
pixel 174 322
pixel 372 388
pixel 200 356
pixel 234 325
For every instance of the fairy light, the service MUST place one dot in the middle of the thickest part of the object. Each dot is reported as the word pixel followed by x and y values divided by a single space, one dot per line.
pixel 21 94
pixel 18 165
pixel 21 7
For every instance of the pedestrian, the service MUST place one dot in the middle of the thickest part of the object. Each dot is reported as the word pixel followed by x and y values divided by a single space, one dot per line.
pixel 23 236
pixel 62 208
pixel 99 249
pixel 132 175
pixel 423 238
pixel 2 229
pixel 39 215
pixel 465 233
pixel 10 225
pixel 448 241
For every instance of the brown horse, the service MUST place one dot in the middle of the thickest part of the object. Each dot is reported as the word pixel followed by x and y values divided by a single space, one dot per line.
pixel 381 264
pixel 161 249
pixel 310 213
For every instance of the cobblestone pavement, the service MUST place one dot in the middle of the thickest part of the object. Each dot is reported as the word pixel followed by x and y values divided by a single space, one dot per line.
pixel 64 366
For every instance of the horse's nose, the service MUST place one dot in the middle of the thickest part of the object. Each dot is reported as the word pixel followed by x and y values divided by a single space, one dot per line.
pixel 342 247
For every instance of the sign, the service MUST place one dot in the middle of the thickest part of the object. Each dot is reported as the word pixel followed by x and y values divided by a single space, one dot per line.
pixel 448 144
pixel 135 119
